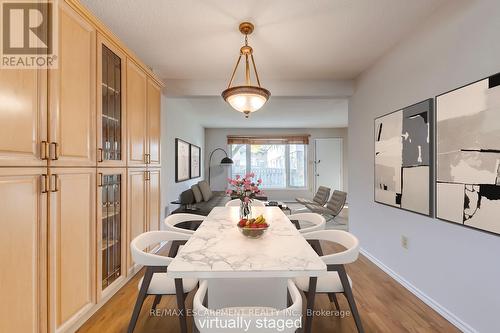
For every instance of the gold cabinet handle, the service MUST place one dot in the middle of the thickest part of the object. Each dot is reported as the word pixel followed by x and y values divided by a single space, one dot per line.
pixel 44 150
pixel 99 184
pixel 56 150
pixel 56 180
pixel 146 158
pixel 44 183
pixel 149 158
pixel 100 158
pixel 147 175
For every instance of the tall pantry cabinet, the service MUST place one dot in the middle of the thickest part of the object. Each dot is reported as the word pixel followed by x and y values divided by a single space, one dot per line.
pixel 70 168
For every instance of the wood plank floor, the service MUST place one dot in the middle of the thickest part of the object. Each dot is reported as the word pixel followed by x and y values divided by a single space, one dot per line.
pixel 384 305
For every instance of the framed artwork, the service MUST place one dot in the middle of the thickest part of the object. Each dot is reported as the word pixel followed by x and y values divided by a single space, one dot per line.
pixel 468 155
pixel 404 158
pixel 182 168
pixel 195 161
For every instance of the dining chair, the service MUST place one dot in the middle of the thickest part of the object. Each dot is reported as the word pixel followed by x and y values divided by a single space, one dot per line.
pixel 314 222
pixel 155 281
pixel 254 314
pixel 183 222
pixel 336 280
pixel 237 203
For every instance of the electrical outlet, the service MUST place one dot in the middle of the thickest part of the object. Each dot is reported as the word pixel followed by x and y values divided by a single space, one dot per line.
pixel 404 242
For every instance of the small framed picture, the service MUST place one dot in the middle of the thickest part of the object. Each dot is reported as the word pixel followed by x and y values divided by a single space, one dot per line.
pixel 182 162
pixel 195 161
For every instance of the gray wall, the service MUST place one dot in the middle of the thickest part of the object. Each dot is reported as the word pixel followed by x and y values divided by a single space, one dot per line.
pixel 217 137
pixel 456 268
pixel 177 121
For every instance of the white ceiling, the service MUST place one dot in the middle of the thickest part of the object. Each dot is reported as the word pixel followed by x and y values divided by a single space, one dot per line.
pixel 279 112
pixel 312 49
pixel 293 40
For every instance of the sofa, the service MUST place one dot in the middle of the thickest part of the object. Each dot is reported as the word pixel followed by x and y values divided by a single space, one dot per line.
pixel 200 199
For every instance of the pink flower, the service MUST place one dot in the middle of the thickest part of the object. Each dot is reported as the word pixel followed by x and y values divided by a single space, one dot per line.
pixel 229 191
pixel 238 176
pixel 229 180
pixel 259 181
pixel 247 199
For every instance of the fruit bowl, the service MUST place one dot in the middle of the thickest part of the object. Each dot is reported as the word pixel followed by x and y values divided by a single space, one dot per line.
pixel 253 228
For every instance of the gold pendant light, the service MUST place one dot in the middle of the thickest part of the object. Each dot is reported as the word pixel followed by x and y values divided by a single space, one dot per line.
pixel 246 98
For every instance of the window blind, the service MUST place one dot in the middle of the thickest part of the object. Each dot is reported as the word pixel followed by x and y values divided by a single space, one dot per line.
pixel 268 139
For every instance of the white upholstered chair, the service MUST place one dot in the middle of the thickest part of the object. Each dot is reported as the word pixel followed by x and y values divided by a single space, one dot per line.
pixel 313 221
pixel 203 315
pixel 237 203
pixel 189 222
pixel 155 281
pixel 336 280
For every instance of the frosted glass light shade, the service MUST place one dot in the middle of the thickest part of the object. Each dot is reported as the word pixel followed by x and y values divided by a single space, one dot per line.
pixel 246 99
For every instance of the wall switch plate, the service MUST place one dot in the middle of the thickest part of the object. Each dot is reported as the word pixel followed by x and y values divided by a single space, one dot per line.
pixel 404 242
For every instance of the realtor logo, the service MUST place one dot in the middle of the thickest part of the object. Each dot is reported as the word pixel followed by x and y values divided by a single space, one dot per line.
pixel 29 38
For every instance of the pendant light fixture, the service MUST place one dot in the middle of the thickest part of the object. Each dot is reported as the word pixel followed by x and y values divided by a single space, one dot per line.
pixel 246 98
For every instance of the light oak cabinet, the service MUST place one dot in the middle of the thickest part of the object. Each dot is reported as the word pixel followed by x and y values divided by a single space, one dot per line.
pixel 144 203
pixel 23 241
pixel 72 104
pixel 72 246
pixel 137 207
pixel 136 114
pixel 111 228
pixel 111 101
pixel 79 176
pixel 23 117
pixel 154 123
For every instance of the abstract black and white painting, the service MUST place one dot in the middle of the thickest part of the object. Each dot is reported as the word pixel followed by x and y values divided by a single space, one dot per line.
pixel 468 155
pixel 403 158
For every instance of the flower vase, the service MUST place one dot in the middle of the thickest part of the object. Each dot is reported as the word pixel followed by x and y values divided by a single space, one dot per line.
pixel 245 210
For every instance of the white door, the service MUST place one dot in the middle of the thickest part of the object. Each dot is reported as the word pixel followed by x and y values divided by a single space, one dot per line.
pixel 328 163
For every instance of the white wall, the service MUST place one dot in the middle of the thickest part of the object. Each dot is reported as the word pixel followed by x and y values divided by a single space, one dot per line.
pixel 177 121
pixel 217 137
pixel 456 267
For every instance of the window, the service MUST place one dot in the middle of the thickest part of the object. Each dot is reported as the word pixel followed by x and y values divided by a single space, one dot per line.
pixel 279 165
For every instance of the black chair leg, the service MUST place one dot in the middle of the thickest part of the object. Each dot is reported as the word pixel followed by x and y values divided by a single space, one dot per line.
pixel 156 302
pixel 179 290
pixel 311 295
pixel 350 298
pixel 148 275
pixel 333 298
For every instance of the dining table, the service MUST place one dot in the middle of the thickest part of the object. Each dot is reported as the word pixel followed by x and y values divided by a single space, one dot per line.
pixel 242 271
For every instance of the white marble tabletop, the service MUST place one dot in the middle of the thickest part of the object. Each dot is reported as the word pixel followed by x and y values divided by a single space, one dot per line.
pixel 219 250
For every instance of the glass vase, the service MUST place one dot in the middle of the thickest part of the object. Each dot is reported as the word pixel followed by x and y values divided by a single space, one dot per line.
pixel 245 210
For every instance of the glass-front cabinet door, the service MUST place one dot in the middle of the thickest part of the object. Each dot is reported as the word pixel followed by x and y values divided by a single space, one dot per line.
pixel 111 226
pixel 111 116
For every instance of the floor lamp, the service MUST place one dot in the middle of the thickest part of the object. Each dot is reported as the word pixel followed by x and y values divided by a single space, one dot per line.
pixel 226 161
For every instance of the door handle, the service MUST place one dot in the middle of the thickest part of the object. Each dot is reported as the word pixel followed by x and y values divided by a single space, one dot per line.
pixel 56 180
pixel 56 150
pixel 44 183
pixel 147 175
pixel 100 158
pixel 44 150
pixel 99 184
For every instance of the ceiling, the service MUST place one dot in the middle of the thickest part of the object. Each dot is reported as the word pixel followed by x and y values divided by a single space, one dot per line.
pixel 279 112
pixel 307 51
pixel 293 39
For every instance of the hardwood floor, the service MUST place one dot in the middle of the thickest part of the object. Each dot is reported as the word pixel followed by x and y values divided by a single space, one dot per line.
pixel 384 305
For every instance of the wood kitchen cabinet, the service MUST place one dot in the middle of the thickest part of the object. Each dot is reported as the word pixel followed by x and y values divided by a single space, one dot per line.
pixel 23 117
pixel 136 114
pixel 154 123
pixel 23 249
pixel 143 213
pixel 72 102
pixel 111 102
pixel 111 228
pixel 136 208
pixel 72 246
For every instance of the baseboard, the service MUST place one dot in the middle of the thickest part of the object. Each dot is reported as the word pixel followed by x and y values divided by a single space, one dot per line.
pixel 452 318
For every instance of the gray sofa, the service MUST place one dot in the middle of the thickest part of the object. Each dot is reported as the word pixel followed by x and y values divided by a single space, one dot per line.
pixel 200 199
